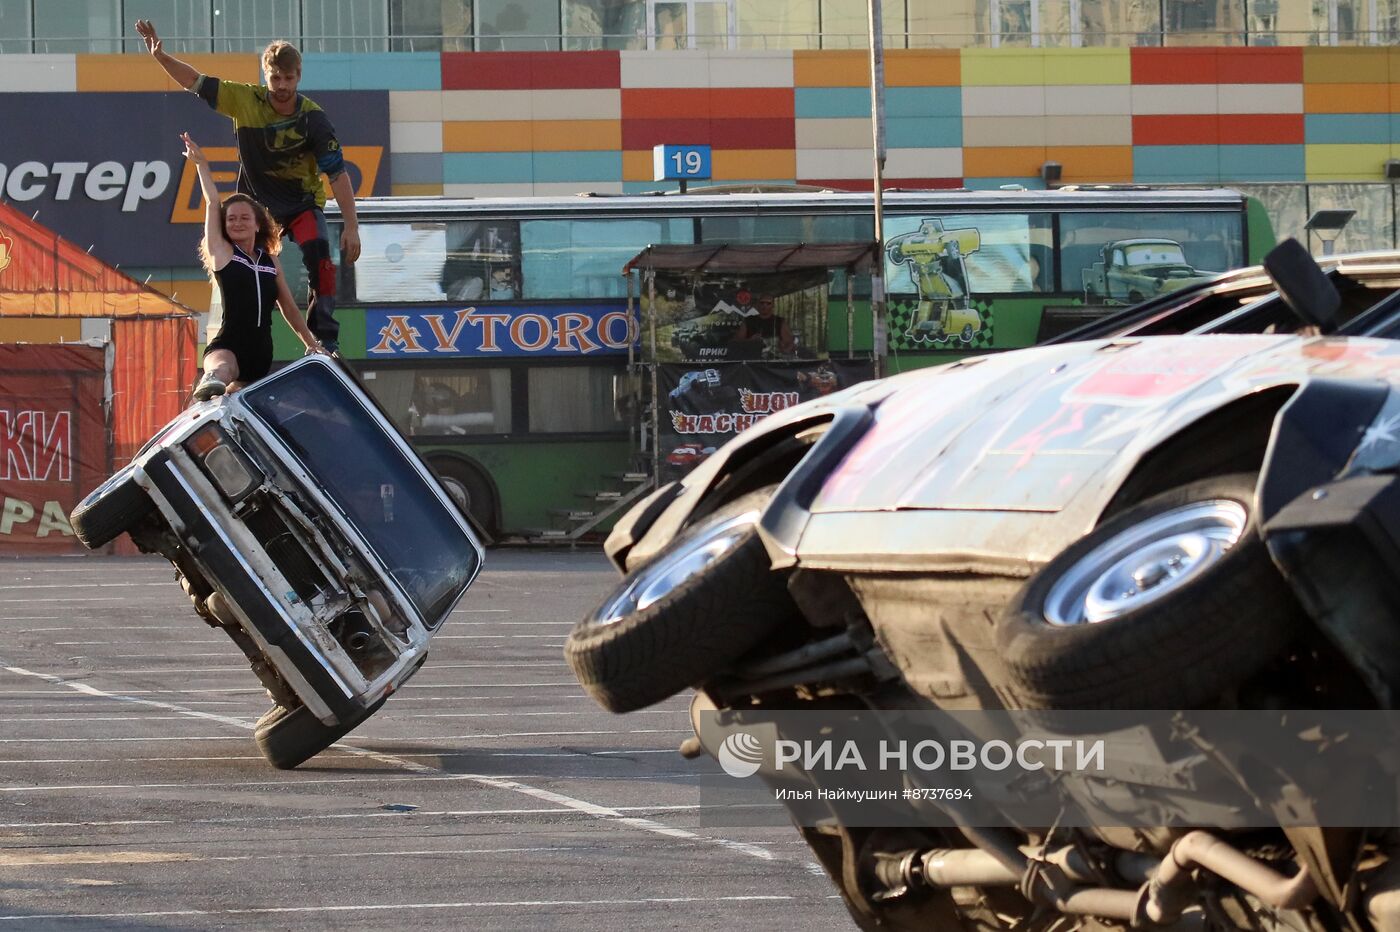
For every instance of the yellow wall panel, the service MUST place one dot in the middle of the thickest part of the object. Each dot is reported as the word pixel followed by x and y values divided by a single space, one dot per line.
pixel 1350 65
pixel 1325 162
pixel 416 190
pixel 1088 66
pixel 1002 67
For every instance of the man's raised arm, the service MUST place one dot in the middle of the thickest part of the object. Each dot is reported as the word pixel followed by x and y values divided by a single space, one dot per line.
pixel 181 73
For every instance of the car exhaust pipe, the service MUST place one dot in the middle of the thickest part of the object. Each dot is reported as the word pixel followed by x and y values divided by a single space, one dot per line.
pixel 1166 890
pixel 1171 889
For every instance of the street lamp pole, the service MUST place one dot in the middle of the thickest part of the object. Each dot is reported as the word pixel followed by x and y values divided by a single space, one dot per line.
pixel 877 120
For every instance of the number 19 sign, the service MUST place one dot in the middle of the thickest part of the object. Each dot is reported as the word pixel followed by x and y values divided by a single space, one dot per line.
pixel 680 163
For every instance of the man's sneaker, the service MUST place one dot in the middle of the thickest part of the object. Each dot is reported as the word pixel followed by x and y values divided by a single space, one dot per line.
pixel 332 347
pixel 209 386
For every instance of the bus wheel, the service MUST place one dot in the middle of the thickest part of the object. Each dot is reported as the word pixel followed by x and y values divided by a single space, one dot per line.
pixel 469 490
pixel 701 604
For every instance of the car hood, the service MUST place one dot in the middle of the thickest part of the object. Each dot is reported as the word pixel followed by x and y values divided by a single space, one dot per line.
pixel 1050 427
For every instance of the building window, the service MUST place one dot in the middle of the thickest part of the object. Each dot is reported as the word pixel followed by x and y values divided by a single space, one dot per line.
pixel 249 25
pixel 77 26
pixel 517 25
pixel 16 32
pixel 184 26
pixel 692 24
pixel 605 24
pixel 430 26
pixel 345 26
pixel 949 24
pixel 1121 22
pixel 779 24
pixel 845 24
pixel 1203 22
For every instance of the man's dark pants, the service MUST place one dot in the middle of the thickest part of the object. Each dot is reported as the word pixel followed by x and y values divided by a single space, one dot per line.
pixel 308 230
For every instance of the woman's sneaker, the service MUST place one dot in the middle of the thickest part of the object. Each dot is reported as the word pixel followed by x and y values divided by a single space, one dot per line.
pixel 209 386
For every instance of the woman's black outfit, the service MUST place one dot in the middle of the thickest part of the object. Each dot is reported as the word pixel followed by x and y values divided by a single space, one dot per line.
pixel 248 289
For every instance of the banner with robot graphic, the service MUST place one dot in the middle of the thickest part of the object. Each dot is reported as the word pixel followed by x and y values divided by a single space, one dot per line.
pixel 940 272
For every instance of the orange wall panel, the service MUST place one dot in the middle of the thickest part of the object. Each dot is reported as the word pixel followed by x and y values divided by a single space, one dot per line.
pixel 487 136
pixel 1093 163
pixel 1346 98
pixel 1002 161
pixel 576 135
pixel 921 68
pixel 752 164
pixel 140 73
pixel 834 68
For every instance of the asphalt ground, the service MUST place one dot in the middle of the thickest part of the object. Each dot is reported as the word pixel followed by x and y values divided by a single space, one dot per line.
pixel 489 793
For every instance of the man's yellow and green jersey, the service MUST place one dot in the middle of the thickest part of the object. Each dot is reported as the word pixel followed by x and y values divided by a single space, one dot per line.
pixel 281 157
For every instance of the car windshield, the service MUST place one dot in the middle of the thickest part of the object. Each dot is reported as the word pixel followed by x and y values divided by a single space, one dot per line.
pixel 1156 254
pixel 370 479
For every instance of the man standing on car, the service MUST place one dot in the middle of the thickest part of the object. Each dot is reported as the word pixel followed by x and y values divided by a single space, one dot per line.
pixel 285 142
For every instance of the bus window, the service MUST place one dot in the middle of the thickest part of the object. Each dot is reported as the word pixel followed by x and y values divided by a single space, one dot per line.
pixel 1211 241
pixel 400 262
pixel 481 261
pixel 999 253
pixel 573 259
pixel 819 228
pixel 443 402
pixel 573 399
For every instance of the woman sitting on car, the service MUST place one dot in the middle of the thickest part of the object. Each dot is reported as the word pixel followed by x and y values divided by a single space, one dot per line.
pixel 239 251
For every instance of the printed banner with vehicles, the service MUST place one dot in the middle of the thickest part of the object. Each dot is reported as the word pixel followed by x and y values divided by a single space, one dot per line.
pixel 716 318
pixel 53 445
pixel 703 407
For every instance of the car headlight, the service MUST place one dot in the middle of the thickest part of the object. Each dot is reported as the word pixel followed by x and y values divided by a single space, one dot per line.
pixel 228 466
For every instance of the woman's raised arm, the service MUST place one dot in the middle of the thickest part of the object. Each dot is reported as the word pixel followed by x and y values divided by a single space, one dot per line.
pixel 220 250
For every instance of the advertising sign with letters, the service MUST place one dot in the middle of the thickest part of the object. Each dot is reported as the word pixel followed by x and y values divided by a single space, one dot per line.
pixel 106 170
pixel 52 443
pixel 499 330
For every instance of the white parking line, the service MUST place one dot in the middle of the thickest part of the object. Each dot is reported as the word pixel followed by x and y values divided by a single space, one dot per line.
pixel 380 907
pixel 593 810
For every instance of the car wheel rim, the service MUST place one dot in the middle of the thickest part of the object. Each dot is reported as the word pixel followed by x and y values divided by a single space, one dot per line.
pixel 1145 563
pixel 663 575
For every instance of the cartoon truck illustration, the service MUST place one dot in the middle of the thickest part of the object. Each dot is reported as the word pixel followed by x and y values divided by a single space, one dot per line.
pixel 1130 271
pixel 935 259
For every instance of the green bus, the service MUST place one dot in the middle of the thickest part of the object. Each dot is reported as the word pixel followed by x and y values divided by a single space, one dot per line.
pixel 501 336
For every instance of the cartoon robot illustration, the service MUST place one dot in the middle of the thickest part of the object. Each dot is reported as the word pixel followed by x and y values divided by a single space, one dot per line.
pixel 936 263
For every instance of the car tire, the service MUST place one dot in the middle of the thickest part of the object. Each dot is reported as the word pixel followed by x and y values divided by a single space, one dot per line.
pixel 1136 297
pixel 1084 633
pixel 109 510
pixel 290 737
pixel 706 600
pixel 470 491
